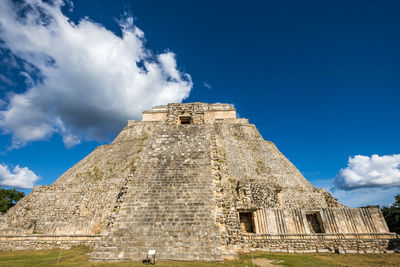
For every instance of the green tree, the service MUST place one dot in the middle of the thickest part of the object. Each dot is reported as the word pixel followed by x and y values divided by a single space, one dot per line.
pixel 392 215
pixel 8 198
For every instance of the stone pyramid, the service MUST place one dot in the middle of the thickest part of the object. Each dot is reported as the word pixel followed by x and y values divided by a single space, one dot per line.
pixel 193 182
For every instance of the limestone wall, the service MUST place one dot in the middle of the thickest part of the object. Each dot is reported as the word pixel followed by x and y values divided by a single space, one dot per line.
pixel 210 116
pixel 342 230
pixel 33 242
pixel 336 244
pixel 154 116
pixel 169 203
pixel 82 200
pixel 263 176
pixel 252 176
pixel 330 220
pixel 198 112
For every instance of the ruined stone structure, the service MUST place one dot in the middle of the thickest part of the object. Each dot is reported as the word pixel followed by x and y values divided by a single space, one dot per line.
pixel 193 182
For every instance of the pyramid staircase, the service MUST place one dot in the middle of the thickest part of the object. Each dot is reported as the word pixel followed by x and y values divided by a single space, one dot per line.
pixel 168 205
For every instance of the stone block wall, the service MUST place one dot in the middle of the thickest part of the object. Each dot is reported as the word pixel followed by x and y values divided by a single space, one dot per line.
pixel 81 200
pixel 252 176
pixel 263 177
pixel 34 242
pixel 169 203
pixel 199 113
pixel 335 244
pixel 329 220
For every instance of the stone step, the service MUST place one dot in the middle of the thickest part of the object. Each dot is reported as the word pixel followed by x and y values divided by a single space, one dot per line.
pixel 169 205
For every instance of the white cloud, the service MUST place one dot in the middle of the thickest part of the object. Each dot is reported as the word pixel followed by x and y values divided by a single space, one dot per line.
pixel 91 80
pixel 20 177
pixel 374 171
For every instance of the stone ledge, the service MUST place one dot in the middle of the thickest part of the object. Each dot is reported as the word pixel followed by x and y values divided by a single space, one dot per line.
pixel 349 236
pixel 8 241
pixel 35 242
pixel 361 246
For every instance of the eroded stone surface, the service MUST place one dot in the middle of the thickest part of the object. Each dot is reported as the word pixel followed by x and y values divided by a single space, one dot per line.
pixel 177 182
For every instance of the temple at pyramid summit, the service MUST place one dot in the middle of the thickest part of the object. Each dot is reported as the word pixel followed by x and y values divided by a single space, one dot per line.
pixel 192 182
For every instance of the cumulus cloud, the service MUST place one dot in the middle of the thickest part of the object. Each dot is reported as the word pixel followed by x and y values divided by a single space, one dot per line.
pixel 83 81
pixel 20 177
pixel 374 171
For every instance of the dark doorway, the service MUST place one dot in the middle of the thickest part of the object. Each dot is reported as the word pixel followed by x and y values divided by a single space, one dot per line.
pixel 314 222
pixel 185 119
pixel 246 222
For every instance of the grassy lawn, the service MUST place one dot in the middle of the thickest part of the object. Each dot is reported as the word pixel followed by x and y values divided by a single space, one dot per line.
pixel 333 259
pixel 77 256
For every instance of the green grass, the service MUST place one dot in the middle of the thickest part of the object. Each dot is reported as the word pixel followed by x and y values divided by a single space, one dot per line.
pixel 78 256
pixel 300 260
pixel 296 259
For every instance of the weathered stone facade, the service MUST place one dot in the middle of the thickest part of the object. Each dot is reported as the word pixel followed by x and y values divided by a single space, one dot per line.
pixel 195 183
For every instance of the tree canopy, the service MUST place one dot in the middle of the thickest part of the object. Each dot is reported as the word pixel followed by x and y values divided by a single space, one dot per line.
pixel 392 215
pixel 8 198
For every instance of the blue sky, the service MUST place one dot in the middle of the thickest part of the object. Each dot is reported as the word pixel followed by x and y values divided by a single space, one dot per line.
pixel 320 79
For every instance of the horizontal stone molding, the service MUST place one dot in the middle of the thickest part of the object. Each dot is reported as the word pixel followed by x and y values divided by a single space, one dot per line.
pixel 322 236
pixel 351 246
pixel 29 242
pixel 49 237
